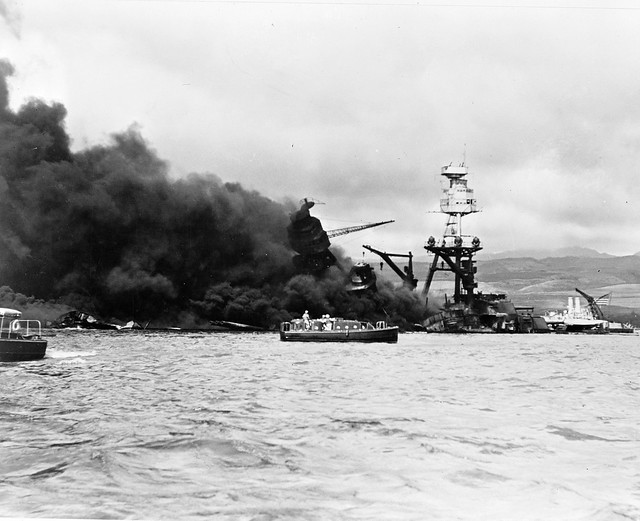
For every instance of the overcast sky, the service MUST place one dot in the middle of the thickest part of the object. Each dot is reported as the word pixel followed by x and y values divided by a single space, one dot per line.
pixel 359 105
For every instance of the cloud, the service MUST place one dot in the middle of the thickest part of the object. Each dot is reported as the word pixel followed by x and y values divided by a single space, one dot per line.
pixel 11 16
pixel 360 105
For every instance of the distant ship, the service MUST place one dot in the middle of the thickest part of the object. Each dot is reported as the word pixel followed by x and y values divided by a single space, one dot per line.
pixel 585 319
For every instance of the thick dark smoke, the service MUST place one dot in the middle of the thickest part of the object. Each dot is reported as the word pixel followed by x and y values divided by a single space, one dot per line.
pixel 106 230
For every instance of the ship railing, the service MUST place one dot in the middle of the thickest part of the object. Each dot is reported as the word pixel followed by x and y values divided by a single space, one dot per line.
pixel 22 329
pixel 285 326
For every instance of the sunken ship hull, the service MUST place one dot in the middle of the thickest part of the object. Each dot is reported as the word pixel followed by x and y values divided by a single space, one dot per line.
pixel 486 314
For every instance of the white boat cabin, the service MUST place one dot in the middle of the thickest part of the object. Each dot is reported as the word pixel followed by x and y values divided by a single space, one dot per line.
pixel 330 324
pixel 12 326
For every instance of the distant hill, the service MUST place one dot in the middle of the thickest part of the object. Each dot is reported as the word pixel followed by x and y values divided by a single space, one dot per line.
pixel 546 283
pixel 559 273
pixel 572 251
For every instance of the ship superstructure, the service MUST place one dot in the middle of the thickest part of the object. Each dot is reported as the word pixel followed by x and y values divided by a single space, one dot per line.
pixel 454 252
pixel 311 242
pixel 468 310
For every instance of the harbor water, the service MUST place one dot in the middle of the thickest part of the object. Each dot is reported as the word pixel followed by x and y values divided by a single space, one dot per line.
pixel 158 425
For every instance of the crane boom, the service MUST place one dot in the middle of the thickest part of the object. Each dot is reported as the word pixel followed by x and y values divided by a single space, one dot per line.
pixel 406 276
pixel 593 303
pixel 350 229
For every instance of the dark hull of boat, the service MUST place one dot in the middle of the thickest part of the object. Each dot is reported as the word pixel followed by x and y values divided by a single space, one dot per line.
pixel 389 335
pixel 21 350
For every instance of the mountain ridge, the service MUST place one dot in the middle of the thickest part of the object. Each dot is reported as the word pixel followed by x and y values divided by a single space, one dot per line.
pixel 539 253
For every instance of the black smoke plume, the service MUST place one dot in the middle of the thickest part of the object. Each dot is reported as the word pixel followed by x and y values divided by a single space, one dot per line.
pixel 106 230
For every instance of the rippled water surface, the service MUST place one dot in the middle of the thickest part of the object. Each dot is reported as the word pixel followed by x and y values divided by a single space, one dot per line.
pixel 143 425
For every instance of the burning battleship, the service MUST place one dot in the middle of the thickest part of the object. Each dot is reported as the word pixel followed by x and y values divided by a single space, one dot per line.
pixel 311 243
pixel 467 310
pixel 309 240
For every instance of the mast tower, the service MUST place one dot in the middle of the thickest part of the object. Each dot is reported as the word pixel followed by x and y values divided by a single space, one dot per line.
pixel 454 252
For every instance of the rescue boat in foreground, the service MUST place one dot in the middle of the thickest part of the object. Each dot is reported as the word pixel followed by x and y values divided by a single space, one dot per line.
pixel 328 329
pixel 20 340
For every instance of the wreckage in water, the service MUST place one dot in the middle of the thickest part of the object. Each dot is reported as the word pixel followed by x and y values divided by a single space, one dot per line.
pixel 362 278
pixel 468 311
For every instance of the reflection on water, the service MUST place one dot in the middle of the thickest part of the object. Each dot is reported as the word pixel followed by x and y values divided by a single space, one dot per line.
pixel 144 425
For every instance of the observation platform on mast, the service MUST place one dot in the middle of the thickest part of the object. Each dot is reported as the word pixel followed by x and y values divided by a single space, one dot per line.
pixel 455 251
pixel 457 198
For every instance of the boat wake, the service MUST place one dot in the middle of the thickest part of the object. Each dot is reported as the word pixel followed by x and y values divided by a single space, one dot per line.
pixel 60 355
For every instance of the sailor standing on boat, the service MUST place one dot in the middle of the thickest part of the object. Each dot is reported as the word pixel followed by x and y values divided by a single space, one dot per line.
pixel 326 322
pixel 305 318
